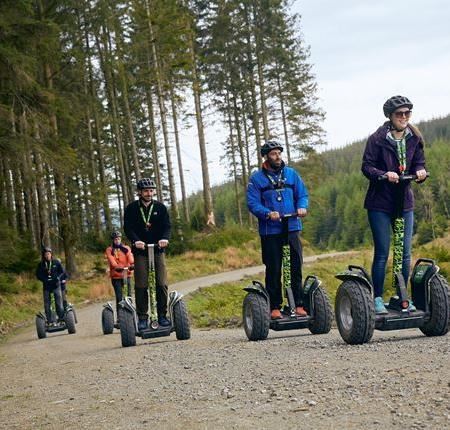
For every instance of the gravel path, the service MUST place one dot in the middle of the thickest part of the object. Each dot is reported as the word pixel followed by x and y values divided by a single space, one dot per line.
pixel 220 380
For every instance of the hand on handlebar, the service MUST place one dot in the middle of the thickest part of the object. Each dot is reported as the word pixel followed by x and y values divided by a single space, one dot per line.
pixel 139 244
pixel 302 212
pixel 274 216
pixel 392 177
pixel 163 243
pixel 421 175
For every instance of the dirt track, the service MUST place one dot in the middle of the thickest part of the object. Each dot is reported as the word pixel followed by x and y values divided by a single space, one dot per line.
pixel 220 380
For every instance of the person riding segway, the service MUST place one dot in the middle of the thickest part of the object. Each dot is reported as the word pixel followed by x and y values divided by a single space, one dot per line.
pixel 147 226
pixel 121 265
pixel 277 196
pixel 393 157
pixel 50 272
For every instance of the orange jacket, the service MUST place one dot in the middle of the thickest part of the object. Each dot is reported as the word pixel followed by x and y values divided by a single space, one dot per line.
pixel 118 258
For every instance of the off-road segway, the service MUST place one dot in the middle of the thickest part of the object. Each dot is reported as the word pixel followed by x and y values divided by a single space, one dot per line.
pixel 108 323
pixel 354 307
pixel 177 313
pixel 256 305
pixel 68 323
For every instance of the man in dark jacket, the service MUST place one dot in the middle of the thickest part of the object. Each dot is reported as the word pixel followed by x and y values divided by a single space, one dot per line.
pixel 146 221
pixel 273 191
pixel 51 272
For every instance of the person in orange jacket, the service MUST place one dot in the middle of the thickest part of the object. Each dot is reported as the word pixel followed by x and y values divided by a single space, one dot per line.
pixel 119 256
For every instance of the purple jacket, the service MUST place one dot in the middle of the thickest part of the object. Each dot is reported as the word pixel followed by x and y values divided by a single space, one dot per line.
pixel 380 156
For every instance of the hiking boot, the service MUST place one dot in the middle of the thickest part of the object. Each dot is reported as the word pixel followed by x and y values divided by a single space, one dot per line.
pixel 163 321
pixel 379 306
pixel 276 314
pixel 300 311
pixel 142 324
pixel 411 307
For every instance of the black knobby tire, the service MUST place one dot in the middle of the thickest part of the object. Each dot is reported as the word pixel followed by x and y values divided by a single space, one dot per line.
pixel 323 313
pixel 181 321
pixel 256 317
pixel 355 312
pixel 69 319
pixel 75 315
pixel 107 321
pixel 438 324
pixel 40 328
pixel 127 328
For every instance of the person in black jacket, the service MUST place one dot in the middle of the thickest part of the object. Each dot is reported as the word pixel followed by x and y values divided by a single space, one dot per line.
pixel 51 272
pixel 147 221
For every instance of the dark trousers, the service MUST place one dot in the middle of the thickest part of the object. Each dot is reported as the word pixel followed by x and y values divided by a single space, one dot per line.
pixel 58 303
pixel 118 287
pixel 272 255
pixel 141 284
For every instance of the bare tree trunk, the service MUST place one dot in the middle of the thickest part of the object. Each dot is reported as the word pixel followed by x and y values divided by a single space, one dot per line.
pixel 283 118
pixel 177 144
pixel 233 160
pixel 10 204
pixel 163 115
pixel 42 196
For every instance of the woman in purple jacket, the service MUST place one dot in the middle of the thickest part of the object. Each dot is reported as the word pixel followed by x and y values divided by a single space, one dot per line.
pixel 395 148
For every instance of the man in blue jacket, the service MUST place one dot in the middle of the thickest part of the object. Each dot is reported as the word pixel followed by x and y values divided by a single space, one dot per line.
pixel 273 191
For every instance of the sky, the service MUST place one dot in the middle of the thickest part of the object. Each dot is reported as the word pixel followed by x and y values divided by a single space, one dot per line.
pixel 362 53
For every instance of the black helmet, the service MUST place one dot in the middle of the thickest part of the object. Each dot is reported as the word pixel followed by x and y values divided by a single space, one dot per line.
pixel 269 146
pixel 146 183
pixel 115 234
pixel 46 249
pixel 394 103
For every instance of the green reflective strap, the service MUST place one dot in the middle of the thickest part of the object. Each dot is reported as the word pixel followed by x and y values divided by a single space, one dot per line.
pixel 146 219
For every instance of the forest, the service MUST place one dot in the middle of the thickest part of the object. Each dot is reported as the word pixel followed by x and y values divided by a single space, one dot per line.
pixel 94 93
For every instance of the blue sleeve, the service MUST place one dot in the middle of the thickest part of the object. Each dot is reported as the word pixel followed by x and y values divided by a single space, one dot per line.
pixel 301 198
pixel 254 200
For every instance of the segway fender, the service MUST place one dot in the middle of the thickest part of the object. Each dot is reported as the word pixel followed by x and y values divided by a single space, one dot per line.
pixel 42 315
pixel 127 305
pixel 258 288
pixel 356 273
pixel 109 306
pixel 174 298
pixel 421 277
pixel 310 286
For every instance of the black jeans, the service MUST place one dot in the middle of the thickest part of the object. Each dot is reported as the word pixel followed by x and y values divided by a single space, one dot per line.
pixel 272 255
pixel 118 287
pixel 141 284
pixel 58 303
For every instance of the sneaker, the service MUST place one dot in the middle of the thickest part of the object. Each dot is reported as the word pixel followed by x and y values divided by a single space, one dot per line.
pixel 411 307
pixel 276 314
pixel 142 325
pixel 163 321
pixel 300 311
pixel 379 306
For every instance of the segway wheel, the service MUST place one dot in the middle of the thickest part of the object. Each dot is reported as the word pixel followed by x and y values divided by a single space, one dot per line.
pixel 70 322
pixel 75 315
pixel 107 321
pixel 355 312
pixel 323 313
pixel 40 328
pixel 438 324
pixel 256 317
pixel 127 328
pixel 181 321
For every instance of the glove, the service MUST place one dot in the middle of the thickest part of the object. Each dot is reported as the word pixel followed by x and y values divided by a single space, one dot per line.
pixel 130 268
pixel 118 269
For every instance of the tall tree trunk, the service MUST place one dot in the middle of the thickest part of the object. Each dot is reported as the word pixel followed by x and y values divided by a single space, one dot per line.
pixel 283 118
pixel 177 145
pixel 10 204
pixel 42 196
pixel 163 115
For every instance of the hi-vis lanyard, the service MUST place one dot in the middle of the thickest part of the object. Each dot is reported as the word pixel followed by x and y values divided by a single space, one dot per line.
pixel 401 150
pixel 146 219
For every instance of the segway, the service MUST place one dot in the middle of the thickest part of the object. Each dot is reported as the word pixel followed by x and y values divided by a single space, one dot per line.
pixel 108 324
pixel 354 307
pixel 177 313
pixel 256 305
pixel 67 323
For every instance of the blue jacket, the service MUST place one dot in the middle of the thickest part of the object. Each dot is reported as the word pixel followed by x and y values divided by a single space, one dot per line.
pixel 264 196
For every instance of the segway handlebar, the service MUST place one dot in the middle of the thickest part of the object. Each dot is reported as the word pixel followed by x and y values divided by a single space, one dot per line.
pixel 290 215
pixel 402 178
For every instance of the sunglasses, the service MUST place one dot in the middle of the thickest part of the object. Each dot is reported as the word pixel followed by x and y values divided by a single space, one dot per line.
pixel 401 113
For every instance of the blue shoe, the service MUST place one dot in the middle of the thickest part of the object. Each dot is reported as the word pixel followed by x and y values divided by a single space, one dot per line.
pixel 379 306
pixel 411 307
pixel 142 324
pixel 163 322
